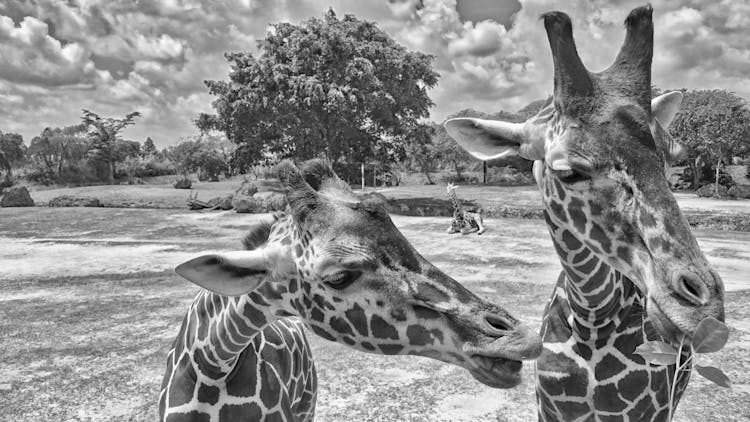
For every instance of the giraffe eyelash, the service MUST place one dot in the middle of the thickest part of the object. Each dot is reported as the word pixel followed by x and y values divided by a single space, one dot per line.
pixel 342 279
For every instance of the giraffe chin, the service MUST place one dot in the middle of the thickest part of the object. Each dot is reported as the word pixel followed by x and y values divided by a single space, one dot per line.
pixel 667 329
pixel 496 372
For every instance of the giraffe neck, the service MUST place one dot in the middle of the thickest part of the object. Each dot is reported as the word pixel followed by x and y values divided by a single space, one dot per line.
pixel 221 327
pixel 600 298
pixel 592 326
pixel 457 209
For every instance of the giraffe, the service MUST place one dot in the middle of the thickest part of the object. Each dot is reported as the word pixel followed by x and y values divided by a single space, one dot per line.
pixel 465 221
pixel 337 262
pixel 632 270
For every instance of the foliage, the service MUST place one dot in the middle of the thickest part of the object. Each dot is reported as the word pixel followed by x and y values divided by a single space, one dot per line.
pixel 422 153
pixel 57 155
pixel 148 148
pixel 136 166
pixel 714 125
pixel 106 143
pixel 204 154
pixel 12 148
pixel 341 88
pixel 710 336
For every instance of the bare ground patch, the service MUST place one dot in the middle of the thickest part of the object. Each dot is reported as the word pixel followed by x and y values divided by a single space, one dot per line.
pixel 81 343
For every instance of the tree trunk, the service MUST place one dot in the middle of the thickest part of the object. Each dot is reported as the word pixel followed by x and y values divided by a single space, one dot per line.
pixel 716 188
pixel 457 167
pixel 696 177
pixel 429 179
pixel 484 172
pixel 111 175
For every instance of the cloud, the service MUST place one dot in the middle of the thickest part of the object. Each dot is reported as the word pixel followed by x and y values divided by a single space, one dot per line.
pixel 31 56
pixel 116 57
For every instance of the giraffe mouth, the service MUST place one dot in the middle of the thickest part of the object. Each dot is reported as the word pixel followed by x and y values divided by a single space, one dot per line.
pixel 496 372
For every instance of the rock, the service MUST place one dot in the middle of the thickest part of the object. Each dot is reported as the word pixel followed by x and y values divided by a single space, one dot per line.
pixel 221 202
pixel 739 191
pixel 708 191
pixel 74 201
pixel 246 189
pixel 261 202
pixel 183 184
pixel 16 196
pixel 259 196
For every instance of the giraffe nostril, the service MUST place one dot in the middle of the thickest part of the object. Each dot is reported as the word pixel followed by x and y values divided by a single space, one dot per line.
pixel 498 323
pixel 690 287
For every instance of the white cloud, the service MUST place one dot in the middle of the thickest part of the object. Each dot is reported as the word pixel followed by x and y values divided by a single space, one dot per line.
pixel 154 56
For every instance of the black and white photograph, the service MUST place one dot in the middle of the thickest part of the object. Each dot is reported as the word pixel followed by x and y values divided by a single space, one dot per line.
pixel 374 210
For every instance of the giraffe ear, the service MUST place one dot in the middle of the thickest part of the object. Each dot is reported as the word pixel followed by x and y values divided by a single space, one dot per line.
pixel 229 274
pixel 664 108
pixel 490 139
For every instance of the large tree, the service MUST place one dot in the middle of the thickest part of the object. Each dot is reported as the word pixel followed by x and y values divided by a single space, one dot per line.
pixel 12 152
pixel 54 148
pixel 340 88
pixel 106 143
pixel 714 125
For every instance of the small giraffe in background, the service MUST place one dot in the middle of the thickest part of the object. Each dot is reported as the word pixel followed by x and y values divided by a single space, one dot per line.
pixel 465 220
pixel 336 261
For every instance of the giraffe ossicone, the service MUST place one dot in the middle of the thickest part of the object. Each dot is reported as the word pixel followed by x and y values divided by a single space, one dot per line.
pixel 337 262
pixel 632 269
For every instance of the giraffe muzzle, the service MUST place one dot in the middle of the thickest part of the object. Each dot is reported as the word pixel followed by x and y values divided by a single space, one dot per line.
pixel 496 372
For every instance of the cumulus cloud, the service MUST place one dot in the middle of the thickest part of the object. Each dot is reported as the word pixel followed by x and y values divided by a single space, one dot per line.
pixel 116 57
pixel 30 55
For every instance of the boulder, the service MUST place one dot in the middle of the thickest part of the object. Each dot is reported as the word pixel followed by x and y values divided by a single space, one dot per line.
pixel 740 191
pixel 74 201
pixel 183 184
pixel 261 202
pixel 246 189
pixel 708 191
pixel 259 196
pixel 16 196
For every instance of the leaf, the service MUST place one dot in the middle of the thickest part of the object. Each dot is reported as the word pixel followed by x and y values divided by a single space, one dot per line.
pixel 657 353
pixel 710 336
pixel 714 375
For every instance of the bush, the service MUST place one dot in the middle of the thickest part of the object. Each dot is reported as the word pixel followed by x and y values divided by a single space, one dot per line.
pixel 508 176
pixel 463 179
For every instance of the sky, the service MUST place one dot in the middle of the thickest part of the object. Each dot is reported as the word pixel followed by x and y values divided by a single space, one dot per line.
pixel 117 56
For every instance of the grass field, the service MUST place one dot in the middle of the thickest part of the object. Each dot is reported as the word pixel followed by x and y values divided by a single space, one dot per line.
pixel 89 307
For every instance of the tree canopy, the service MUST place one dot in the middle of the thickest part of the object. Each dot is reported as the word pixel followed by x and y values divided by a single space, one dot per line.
pixel 106 143
pixel 714 125
pixel 341 88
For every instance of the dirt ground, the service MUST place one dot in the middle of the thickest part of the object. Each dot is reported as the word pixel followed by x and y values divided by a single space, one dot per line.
pixel 89 307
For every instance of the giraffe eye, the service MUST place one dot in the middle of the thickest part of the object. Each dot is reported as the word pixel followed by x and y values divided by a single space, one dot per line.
pixel 342 279
pixel 570 176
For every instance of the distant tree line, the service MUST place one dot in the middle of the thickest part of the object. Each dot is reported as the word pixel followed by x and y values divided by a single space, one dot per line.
pixel 338 88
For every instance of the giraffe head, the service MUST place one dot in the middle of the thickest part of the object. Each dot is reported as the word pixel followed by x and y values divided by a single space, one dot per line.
pixel 450 188
pixel 337 261
pixel 600 148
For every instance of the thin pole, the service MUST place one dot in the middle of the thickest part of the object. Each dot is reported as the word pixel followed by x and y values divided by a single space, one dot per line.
pixel 363 176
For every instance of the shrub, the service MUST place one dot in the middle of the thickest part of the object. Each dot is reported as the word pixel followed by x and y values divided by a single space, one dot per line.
pixel 508 176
